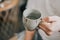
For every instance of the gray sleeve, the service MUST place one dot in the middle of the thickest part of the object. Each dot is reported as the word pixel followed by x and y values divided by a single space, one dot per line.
pixel 21 35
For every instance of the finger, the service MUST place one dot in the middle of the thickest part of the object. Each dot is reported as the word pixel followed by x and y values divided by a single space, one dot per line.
pixel 46 19
pixel 46 32
pixel 45 29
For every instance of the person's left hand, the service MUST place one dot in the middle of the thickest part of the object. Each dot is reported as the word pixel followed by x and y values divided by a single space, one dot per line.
pixel 50 24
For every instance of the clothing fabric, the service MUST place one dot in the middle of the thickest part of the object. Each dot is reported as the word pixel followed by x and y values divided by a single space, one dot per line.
pixel 21 35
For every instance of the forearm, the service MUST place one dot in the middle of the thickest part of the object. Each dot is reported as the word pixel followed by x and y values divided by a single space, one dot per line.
pixel 29 35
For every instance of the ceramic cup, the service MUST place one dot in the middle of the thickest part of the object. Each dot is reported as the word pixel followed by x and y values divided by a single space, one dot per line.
pixel 31 18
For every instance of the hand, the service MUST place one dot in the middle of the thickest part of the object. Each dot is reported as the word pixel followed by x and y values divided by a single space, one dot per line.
pixel 50 24
pixel 29 35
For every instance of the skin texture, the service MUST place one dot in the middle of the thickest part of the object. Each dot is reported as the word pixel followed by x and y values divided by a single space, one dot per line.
pixel 29 35
pixel 44 27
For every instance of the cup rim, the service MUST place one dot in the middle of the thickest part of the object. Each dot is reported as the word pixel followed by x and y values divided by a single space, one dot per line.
pixel 32 19
pixel 25 11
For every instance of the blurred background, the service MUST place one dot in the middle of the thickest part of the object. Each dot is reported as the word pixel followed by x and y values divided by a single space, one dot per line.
pixel 22 7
